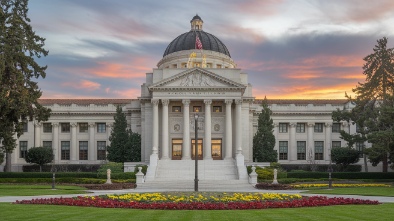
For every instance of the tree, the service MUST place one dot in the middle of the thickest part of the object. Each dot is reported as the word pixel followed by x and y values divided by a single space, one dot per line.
pixel 125 145
pixel 373 109
pixel 344 156
pixel 39 156
pixel 19 94
pixel 264 139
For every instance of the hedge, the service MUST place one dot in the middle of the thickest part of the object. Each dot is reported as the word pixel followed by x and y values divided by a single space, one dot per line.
pixel 342 175
pixel 63 168
pixel 321 167
pixel 128 175
pixel 69 180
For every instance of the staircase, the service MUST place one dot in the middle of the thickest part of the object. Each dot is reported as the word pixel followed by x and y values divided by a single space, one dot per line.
pixel 178 175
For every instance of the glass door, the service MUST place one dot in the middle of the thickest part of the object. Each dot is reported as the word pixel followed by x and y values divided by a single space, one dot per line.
pixel 199 149
pixel 176 149
pixel 216 149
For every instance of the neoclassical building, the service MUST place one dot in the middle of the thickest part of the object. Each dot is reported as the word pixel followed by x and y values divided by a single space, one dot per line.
pixel 196 80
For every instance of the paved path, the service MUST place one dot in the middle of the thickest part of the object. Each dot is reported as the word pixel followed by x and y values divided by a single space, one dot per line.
pixel 103 192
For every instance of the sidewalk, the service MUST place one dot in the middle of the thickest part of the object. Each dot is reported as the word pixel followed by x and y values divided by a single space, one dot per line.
pixel 11 199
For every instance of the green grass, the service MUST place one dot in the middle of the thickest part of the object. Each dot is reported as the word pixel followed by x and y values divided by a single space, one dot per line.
pixel 36 190
pixel 11 212
pixel 364 191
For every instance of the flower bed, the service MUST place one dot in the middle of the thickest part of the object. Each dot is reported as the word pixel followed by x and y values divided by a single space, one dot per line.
pixel 270 186
pixel 321 185
pixel 199 201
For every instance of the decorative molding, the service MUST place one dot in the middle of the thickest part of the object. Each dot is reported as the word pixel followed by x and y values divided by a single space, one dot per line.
pixel 155 102
pixel 207 102
pixel 186 102
pixel 74 124
pixel 238 102
pixel 228 101
pixel 37 124
pixel 310 124
pixel 55 124
pixel 328 124
pixel 165 102
pixel 93 125
pixel 293 124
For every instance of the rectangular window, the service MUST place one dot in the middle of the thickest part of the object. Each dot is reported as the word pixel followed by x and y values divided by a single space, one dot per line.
pixel 83 127
pixel 101 127
pixel 358 128
pixel 319 149
pixel 101 150
pixel 336 127
pixel 25 127
pixel 319 128
pixel 300 128
pixel 336 144
pixel 301 150
pixel 22 149
pixel 176 109
pixel 65 127
pixel 47 127
pixel 177 149
pixel 83 150
pixel 283 127
pixel 65 150
pixel 217 109
pixel 283 149
pixel 216 148
pixel 359 148
pixel 47 144
pixel 197 109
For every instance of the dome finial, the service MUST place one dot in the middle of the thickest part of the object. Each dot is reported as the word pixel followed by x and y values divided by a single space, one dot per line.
pixel 196 23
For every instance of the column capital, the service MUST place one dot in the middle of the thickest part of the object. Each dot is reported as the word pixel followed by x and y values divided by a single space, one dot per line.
pixel 328 124
pixel 276 124
pixel 74 124
pixel 38 124
pixel 228 101
pixel 186 102
pixel 55 124
pixel 310 124
pixel 345 124
pixel 208 102
pixel 292 124
pixel 155 101
pixel 109 124
pixel 165 102
pixel 92 124
pixel 238 101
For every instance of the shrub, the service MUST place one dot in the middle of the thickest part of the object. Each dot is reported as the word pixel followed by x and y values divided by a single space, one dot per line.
pixel 343 175
pixel 321 168
pixel 115 168
pixel 62 168
pixel 270 186
pixel 113 186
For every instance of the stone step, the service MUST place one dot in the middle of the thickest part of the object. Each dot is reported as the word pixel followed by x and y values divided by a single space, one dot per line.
pixel 203 185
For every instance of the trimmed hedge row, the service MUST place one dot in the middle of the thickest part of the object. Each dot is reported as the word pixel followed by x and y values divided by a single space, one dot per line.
pixel 63 168
pixel 342 175
pixel 63 180
pixel 321 167
pixel 127 175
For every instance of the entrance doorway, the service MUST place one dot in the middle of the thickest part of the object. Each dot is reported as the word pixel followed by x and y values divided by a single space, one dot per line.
pixel 199 148
pixel 216 149
pixel 177 149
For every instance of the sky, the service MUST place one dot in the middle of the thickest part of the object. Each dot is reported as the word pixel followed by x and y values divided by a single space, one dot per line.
pixel 291 49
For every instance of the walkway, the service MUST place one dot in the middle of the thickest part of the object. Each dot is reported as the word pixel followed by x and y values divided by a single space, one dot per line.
pixel 243 188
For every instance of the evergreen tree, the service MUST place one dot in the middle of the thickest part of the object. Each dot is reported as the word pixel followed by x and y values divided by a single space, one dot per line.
pixel 264 139
pixel 39 156
pixel 344 156
pixel 117 150
pixel 373 105
pixel 134 147
pixel 19 94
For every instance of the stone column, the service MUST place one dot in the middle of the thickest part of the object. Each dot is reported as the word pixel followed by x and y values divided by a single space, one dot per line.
pixel 276 125
pixel 229 127
pixel 74 145
pixel 92 151
pixel 55 141
pixel 186 131
pixel 207 131
pixel 165 149
pixel 327 142
pixel 293 143
pixel 37 135
pixel 155 146
pixel 310 143
pixel 238 127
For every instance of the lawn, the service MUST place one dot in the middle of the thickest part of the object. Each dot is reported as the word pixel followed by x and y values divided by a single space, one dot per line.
pixel 47 212
pixel 365 191
pixel 36 190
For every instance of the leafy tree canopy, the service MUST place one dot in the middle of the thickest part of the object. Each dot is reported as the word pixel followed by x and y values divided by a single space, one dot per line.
pixel 39 155
pixel 344 156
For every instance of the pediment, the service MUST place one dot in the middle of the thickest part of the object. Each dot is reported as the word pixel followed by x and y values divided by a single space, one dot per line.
pixel 196 78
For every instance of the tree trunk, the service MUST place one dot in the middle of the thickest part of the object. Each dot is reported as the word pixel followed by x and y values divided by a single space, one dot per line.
pixel 8 162
pixel 40 168
pixel 365 163
pixel 385 163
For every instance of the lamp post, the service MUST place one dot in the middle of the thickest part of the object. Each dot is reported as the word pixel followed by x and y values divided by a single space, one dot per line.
pixel 196 153
pixel 329 173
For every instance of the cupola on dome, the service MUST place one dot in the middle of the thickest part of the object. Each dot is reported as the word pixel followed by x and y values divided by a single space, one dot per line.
pixel 187 41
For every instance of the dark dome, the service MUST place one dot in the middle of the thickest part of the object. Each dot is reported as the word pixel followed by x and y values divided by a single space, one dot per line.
pixel 196 17
pixel 187 41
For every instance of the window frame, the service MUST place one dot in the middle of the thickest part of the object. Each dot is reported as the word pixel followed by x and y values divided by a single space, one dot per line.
pixel 301 155
pixel 197 109
pixel 359 147
pixel 65 150
pixel 319 145
pixel 84 126
pixel 100 129
pixel 23 152
pixel 45 142
pixel 336 128
pixel 336 141
pixel 64 127
pixel 176 109
pixel 300 128
pixel 318 128
pixel 217 109
pixel 101 150
pixel 83 150
pixel 47 127
pixel 283 150
pixel 283 127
